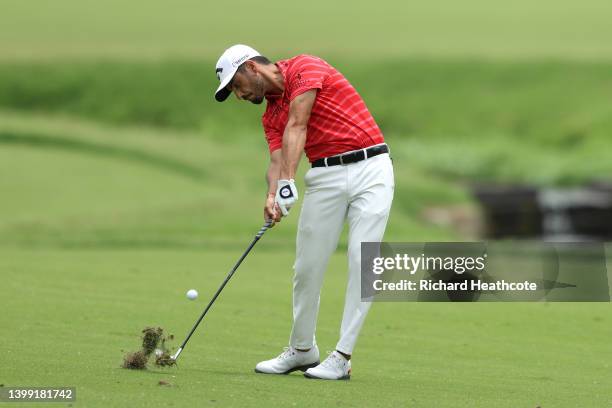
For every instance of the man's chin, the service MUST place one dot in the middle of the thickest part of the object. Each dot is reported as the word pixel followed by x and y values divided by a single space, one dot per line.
pixel 257 101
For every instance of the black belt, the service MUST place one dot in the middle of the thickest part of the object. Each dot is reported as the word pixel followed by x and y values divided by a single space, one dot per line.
pixel 352 157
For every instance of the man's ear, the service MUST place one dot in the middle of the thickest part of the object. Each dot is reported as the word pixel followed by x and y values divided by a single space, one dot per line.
pixel 251 66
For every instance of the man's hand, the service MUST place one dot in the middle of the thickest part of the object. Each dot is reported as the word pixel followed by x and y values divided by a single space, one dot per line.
pixel 286 195
pixel 271 210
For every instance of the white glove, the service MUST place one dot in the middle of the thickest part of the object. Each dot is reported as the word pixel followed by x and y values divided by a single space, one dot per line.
pixel 286 195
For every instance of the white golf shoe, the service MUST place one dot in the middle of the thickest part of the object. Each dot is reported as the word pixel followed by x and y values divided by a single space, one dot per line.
pixel 335 367
pixel 290 360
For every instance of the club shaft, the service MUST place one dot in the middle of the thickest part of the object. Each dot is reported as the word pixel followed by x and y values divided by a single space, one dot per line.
pixel 227 278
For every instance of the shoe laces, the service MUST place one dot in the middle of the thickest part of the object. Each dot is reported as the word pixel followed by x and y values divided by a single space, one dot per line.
pixel 287 352
pixel 332 360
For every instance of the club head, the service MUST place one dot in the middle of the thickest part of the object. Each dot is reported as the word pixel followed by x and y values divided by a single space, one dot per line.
pixel 175 355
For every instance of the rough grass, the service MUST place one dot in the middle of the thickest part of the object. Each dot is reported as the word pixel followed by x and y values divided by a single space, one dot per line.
pixel 558 103
pixel 546 123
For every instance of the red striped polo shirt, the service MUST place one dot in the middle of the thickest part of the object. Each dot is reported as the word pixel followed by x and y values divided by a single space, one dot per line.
pixel 339 121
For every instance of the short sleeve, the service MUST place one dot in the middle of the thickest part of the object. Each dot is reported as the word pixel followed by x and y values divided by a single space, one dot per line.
pixel 273 137
pixel 307 73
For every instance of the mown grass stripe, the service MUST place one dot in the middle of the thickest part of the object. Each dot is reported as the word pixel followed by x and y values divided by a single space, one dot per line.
pixel 140 156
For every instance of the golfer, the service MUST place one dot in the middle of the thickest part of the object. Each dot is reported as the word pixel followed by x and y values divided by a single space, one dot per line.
pixel 313 109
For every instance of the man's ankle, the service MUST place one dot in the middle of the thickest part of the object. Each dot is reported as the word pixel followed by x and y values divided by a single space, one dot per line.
pixel 346 356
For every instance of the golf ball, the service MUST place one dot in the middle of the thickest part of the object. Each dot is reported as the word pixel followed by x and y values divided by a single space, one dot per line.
pixel 192 294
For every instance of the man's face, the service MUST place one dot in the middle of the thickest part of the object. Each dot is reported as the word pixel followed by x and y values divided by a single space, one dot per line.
pixel 247 84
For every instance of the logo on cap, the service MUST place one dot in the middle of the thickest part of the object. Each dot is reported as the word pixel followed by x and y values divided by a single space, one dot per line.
pixel 218 71
pixel 240 60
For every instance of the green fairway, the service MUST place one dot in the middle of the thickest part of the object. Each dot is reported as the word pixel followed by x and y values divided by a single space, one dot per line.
pixel 71 314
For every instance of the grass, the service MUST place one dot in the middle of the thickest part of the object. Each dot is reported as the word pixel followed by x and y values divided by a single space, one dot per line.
pixel 88 261
pixel 139 187
pixel 543 123
pixel 75 29
pixel 117 202
pixel 548 102
pixel 84 308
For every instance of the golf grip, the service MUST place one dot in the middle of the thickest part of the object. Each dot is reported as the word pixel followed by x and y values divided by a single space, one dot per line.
pixel 259 234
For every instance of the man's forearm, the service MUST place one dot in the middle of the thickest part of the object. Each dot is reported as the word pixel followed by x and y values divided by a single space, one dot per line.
pixel 272 176
pixel 293 146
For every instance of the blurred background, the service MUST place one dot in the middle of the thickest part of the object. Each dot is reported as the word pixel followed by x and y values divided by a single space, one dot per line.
pixel 498 114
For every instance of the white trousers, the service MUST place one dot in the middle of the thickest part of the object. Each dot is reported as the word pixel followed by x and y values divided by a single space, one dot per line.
pixel 360 193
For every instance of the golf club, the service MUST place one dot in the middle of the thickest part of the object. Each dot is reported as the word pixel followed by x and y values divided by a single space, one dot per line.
pixel 227 278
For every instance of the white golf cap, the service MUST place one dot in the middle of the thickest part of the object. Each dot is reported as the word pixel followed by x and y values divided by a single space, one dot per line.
pixel 228 64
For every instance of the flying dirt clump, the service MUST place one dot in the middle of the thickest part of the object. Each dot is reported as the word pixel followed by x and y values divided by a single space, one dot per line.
pixel 151 338
pixel 135 361
pixel 163 357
